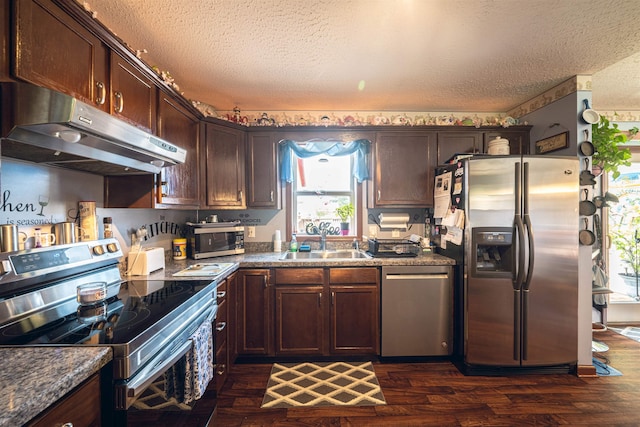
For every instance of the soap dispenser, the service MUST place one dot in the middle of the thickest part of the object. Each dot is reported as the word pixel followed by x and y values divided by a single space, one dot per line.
pixel 293 246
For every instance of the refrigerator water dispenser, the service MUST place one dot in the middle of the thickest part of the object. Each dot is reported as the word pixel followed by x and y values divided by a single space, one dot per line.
pixel 493 247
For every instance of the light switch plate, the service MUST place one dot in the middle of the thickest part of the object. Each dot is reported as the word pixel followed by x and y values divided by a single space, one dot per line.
pixel 395 233
pixel 251 231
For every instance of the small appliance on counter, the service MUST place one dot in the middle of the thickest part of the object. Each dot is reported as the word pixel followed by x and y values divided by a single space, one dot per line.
pixel 212 239
pixel 145 261
pixel 389 248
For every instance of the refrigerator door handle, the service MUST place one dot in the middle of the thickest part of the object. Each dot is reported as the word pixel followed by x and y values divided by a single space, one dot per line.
pixel 516 325
pixel 519 242
pixel 530 251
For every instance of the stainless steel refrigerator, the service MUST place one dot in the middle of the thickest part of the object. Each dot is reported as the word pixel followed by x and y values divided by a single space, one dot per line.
pixel 519 252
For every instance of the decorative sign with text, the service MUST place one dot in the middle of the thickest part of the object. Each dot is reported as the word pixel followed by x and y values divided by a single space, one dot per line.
pixel 315 229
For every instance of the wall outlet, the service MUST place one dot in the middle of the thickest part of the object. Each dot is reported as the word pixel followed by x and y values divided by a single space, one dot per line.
pixel 395 233
pixel 251 231
pixel 373 231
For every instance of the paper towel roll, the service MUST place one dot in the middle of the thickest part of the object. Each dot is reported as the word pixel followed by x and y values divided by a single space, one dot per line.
pixel 277 235
pixel 393 220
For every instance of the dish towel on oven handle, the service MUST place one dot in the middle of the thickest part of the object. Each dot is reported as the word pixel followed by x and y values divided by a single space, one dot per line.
pixel 187 380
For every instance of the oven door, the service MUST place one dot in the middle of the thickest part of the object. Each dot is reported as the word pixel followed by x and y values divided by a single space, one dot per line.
pixel 126 392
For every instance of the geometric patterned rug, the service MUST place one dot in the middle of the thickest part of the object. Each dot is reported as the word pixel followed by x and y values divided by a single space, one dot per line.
pixel 322 384
pixel 153 397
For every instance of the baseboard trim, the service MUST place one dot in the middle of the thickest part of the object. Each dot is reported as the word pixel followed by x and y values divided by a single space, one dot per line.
pixel 586 371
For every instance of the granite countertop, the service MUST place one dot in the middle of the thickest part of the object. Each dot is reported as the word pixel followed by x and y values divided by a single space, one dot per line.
pixel 33 378
pixel 274 259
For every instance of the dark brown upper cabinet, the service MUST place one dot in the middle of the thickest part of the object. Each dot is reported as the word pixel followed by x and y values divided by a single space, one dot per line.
pixel 224 167
pixel 263 183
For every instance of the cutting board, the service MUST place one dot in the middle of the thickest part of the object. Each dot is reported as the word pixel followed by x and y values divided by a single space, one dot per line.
pixel 204 269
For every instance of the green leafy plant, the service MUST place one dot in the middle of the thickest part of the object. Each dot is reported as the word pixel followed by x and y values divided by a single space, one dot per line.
pixel 345 211
pixel 606 139
pixel 624 228
pixel 628 247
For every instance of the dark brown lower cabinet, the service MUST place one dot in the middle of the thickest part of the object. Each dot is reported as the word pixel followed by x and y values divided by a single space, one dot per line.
pixel 80 408
pixel 299 320
pixel 355 310
pixel 221 329
pixel 254 333
pixel 354 319
pixel 326 311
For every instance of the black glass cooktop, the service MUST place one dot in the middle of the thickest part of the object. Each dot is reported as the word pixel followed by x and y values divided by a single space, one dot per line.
pixel 139 305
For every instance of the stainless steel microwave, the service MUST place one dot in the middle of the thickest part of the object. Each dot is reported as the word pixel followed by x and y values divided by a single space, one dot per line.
pixel 212 239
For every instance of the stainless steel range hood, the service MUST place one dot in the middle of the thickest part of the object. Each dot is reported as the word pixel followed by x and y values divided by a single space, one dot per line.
pixel 51 128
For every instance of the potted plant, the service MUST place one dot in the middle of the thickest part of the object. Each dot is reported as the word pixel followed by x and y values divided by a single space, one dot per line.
pixel 345 212
pixel 606 139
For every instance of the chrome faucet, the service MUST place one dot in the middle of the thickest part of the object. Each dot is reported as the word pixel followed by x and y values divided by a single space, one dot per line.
pixel 355 244
pixel 323 240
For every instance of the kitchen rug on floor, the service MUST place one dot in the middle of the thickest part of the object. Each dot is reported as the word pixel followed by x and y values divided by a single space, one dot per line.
pixel 322 384
pixel 604 370
pixel 632 332
pixel 154 398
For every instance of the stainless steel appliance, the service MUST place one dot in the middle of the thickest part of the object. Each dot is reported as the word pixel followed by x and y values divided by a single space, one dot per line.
pixel 519 251
pixel 212 239
pixel 49 127
pixel 147 323
pixel 417 311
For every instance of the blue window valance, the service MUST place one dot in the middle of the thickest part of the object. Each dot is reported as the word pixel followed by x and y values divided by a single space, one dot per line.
pixel 290 149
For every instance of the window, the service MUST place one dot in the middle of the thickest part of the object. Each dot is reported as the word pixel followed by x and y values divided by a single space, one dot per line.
pixel 322 184
pixel 323 176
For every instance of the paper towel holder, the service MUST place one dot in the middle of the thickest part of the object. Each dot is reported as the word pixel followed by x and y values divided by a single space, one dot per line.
pixel 393 221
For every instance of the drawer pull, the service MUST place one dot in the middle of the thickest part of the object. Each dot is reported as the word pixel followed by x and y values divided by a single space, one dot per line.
pixel 222 369
pixel 222 294
pixel 220 326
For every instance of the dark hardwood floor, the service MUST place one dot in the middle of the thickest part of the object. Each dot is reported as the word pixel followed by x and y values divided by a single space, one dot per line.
pixel 437 394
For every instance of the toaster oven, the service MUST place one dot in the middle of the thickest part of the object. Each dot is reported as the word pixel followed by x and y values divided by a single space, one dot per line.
pixel 212 239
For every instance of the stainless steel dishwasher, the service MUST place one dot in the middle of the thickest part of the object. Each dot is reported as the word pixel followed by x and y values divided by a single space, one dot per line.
pixel 417 311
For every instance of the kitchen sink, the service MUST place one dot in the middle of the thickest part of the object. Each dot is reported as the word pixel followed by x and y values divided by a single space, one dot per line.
pixel 320 255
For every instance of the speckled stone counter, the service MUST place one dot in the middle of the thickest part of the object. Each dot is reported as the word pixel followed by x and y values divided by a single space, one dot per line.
pixel 32 379
pixel 274 259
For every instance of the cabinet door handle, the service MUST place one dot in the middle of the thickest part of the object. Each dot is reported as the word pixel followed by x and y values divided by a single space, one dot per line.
pixel 221 294
pixel 220 326
pixel 319 299
pixel 264 281
pixel 102 93
pixel 67 425
pixel 333 298
pixel 161 192
pixel 240 195
pixel 272 195
pixel 119 102
pixel 378 195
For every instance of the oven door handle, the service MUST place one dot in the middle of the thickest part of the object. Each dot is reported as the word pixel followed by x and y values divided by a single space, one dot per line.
pixel 141 381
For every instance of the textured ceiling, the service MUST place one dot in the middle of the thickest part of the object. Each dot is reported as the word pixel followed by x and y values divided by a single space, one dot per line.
pixel 384 55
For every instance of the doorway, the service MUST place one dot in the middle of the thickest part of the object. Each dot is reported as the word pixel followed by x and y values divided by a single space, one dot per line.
pixel 622 242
